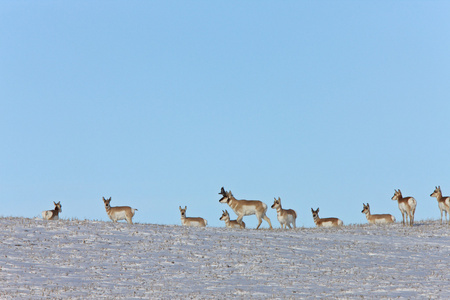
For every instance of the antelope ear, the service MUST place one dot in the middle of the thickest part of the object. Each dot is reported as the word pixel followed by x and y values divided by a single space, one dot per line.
pixel 185 208
pixel 279 199
pixel 312 210
pixel 54 203
pixel 180 208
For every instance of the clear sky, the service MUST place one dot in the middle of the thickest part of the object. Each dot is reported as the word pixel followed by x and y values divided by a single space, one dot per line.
pixel 159 104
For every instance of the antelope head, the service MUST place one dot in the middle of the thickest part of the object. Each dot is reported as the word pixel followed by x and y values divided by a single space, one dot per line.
pixel 366 208
pixel 397 195
pixel 315 213
pixel 107 201
pixel 226 197
pixel 437 191
pixel 276 203
pixel 183 211
pixel 58 206
pixel 225 216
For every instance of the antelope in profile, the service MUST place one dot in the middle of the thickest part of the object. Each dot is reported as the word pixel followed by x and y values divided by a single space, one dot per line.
pixel 196 222
pixel 327 222
pixel 118 213
pixel 443 202
pixel 377 219
pixel 52 214
pixel 230 223
pixel 245 207
pixel 407 206
pixel 286 217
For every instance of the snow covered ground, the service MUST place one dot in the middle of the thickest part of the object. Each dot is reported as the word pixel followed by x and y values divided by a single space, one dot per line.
pixel 100 260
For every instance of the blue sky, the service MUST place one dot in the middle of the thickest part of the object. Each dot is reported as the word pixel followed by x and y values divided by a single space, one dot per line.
pixel 159 104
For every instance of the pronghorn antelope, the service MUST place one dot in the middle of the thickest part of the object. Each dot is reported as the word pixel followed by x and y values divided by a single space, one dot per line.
pixel 407 206
pixel 118 213
pixel 245 207
pixel 443 202
pixel 230 223
pixel 327 222
pixel 377 219
pixel 52 214
pixel 286 217
pixel 196 222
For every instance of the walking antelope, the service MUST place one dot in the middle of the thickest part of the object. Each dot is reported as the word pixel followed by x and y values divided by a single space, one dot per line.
pixel 407 206
pixel 196 222
pixel 377 219
pixel 443 202
pixel 245 207
pixel 327 222
pixel 118 213
pixel 230 223
pixel 52 214
pixel 286 217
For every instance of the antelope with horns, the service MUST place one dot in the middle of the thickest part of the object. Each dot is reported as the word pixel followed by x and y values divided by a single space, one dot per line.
pixel 327 222
pixel 407 206
pixel 52 214
pixel 195 222
pixel 245 207
pixel 443 202
pixel 230 223
pixel 118 213
pixel 377 219
pixel 286 217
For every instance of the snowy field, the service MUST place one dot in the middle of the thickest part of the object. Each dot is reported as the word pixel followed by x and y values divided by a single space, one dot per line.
pixel 101 260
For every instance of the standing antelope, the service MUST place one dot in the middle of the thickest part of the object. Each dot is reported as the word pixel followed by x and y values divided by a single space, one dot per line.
pixel 327 222
pixel 377 219
pixel 245 207
pixel 443 202
pixel 52 214
pixel 286 217
pixel 196 222
pixel 407 206
pixel 118 213
pixel 230 223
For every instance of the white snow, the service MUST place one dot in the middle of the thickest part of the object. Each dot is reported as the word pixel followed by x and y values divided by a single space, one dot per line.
pixel 97 260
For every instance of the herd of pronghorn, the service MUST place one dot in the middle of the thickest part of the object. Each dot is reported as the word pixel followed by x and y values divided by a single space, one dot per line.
pixel 286 217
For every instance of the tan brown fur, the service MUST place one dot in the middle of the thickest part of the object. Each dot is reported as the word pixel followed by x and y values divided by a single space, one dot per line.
pixel 245 207
pixel 443 203
pixel 231 223
pixel 377 219
pixel 286 217
pixel 118 213
pixel 407 206
pixel 54 213
pixel 191 221
pixel 325 222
